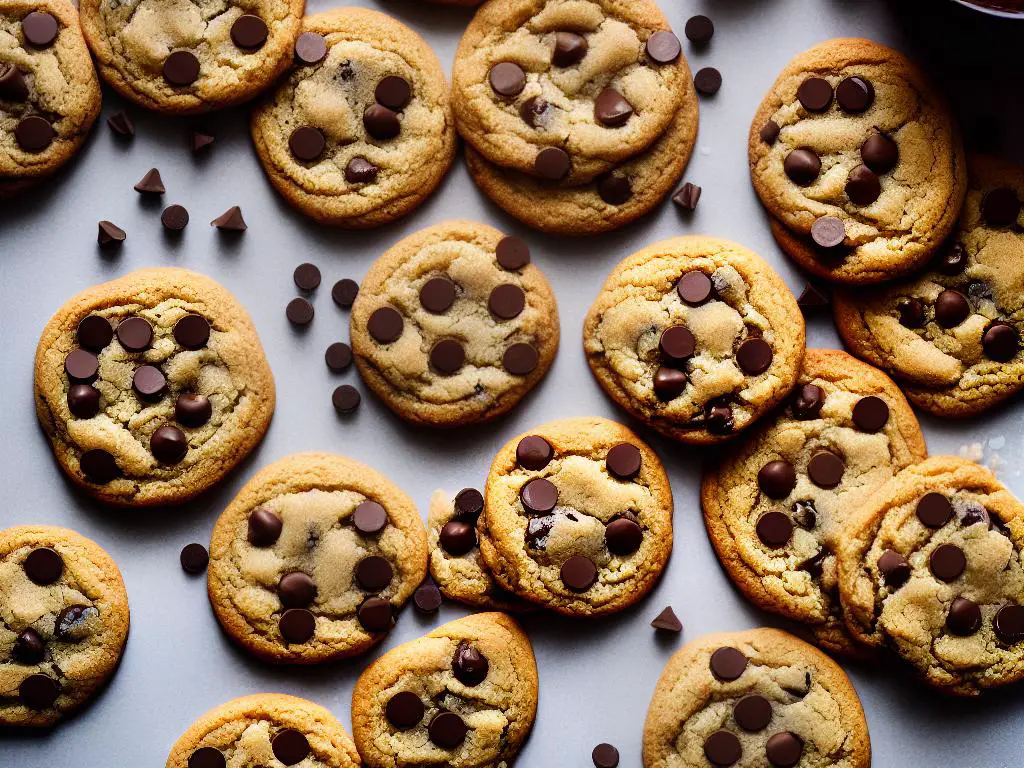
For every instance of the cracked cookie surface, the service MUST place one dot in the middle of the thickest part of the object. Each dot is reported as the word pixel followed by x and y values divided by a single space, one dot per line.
pixel 754 698
pixel 314 558
pixel 858 161
pixel 152 387
pixel 191 56
pixel 775 506
pixel 463 696
pixel 951 334
pixel 933 568
pixel 265 729
pixel 361 131
pixel 453 325
pixel 63 623
pixel 696 336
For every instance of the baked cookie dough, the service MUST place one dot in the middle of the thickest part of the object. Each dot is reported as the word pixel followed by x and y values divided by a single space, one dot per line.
pixel 696 336
pixel 578 517
pixel 152 387
pixel 464 696
pixel 775 505
pixel 191 56
pixel 313 559
pixel 453 325
pixel 49 93
pixel 951 334
pixel 265 729
pixel 565 89
pixel 858 161
pixel 63 623
pixel 361 131
pixel 754 698
pixel 932 568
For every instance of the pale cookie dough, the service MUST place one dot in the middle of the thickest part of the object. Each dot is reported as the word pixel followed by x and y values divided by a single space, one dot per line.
pixel 951 334
pixel 152 387
pixel 696 336
pixel 578 517
pixel 858 161
pixel 453 325
pixel 775 507
pixel 49 93
pixel 313 559
pixel 191 56
pixel 364 134
pixel 464 696
pixel 266 729
pixel 932 568
pixel 63 623
pixel 752 699
pixel 565 89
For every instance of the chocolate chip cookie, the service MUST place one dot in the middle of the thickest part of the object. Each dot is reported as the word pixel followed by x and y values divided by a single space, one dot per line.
pixel 696 336
pixel 152 387
pixel 454 325
pixel 578 517
pixel 360 131
pixel 950 334
pixel 775 505
pixel 265 729
pixel 754 698
pixel 313 559
pixel 566 89
pixel 63 623
pixel 932 568
pixel 191 56
pixel 858 161
pixel 464 696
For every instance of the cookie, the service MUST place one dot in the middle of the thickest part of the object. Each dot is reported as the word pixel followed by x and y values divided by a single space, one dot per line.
pixel 754 698
pixel 464 696
pixel 313 559
pixel 577 517
pixel 696 336
pixel 360 131
pixel 775 505
pixel 189 56
pixel 453 325
pixel 265 729
pixel 950 334
pixel 63 623
pixel 49 93
pixel 932 568
pixel 858 161
pixel 152 387
pixel 631 190
pixel 566 89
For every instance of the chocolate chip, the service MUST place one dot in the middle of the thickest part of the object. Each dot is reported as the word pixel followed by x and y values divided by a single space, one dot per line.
pixel 360 171
pixel 181 68
pixel 623 461
pixel 381 123
pixel 911 312
pixel 975 514
pixel 404 710
pixel 815 94
pixel 206 757
pixel 828 232
pixel 677 343
pixel 151 183
pixel 805 514
pixel 578 573
pixel 374 573
pixel 174 218
pixel 533 110
pixel 81 365
pixel 539 496
pixel 29 647
pixel 346 399
pixel 753 713
pixel 727 664
pixel 784 750
pixel 667 621
pixel 457 537
pixel 934 510
pixel 110 234
pixel 469 665
pixel 614 188
pixel 570 49
pixel 307 277
pixel 1000 207
pixel 808 402
pixel 427 598
pixel 722 749
pixel 310 48
pixel 707 81
pixel 83 400
pixel 43 566
pixel 506 301
pixel 664 47
pixel 296 590
pixel 299 311
pixel 951 308
pixel 338 356
pixel 72 622
pixel 230 221
pixel 870 414
pixel 814 565
pixel 38 692
pixel 894 569
pixel 770 132
pixel 447 356
pixel 699 30
pixel 952 261
pixel 552 163
pixel 718 418
pixel 194 558
pixel 369 518
pixel 249 32
pixel 307 143
pixel 385 325
pixel 344 292
pixel 687 196
pixel 469 502
pixel 947 562
pixel 290 746
pixel 149 382
pixel 611 108
pixel 534 452
pixel 98 466
pixel 694 288
pixel 880 153
pixel 447 730
pixel 94 332
pixel 393 92
pixel 774 529
pixel 813 298
pixel 623 536
pixel 605 756
pixel 168 444
pixel 134 334
pixel 1008 623
pixel 964 617
pixel 121 124
pixel 34 133
pixel 855 94
pixel 537 530
pixel 777 479
pixel 825 469
pixel 507 79
pixel 669 383
pixel 512 253
pixel 754 356
pixel 40 29
pixel 520 359
pixel 200 142
pixel 192 331
pixel 863 186
pixel 264 527
pixel 297 626
pixel 1001 342
pixel 802 166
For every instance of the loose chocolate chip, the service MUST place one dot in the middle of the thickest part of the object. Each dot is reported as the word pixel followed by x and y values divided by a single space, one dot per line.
pixel 777 479
pixel 623 461
pixel 374 573
pixel 512 253
pixel 344 292
pixel 194 558
pixel 774 529
pixel 98 466
pixel 770 132
pixel 1000 207
pixel 381 123
pixel 828 232
pixel 192 331
pixel 506 301
pixel 699 30
pixel 1008 623
pixel 385 325
pixel 578 573
pixel 808 402
pixel 694 288
pixel 338 356
pixel 181 68
pixel 29 647
pixel 200 142
pixel 290 746
pixel 360 171
pixel 667 621
pixel 249 32
pixel 168 444
pixel 264 527
pixel 230 221
pixel 81 365
pixel 539 496
pixel 947 562
pixel 687 196
pixel 43 566
pixel 297 626
pixel 785 749
pixel 614 188
pixel 507 79
pixel 552 163
pixel 149 382
pixel 964 617
pixel 802 166
pixel 207 757
pixel 677 343
pixel 623 536
pixel 813 298
pixel 754 356
pixel 534 452
pixel 121 124
pixel 952 261
pixel 605 756
pixel 469 502
pixel 307 143
pixel 192 410
pixel 870 414
pixel 134 334
pixel 863 186
pixel 880 153
pixel 94 332
pixel 894 569
pixel 151 183
pixel 911 312
pixel 110 234
pixel 722 749
pixel 393 92
pixel 520 359
pixel 427 598
pixel 38 692
pixel 934 510
pixel 369 518
pixel 40 29
pixel 664 47
pixel 1001 342
pixel 174 218
pixel 83 400
pixel 346 399
pixel 469 665
pixel 34 133
pixel 310 48
pixel 707 81
pixel 753 713
pixel 825 469
pixel 570 49
pixel 727 664
pixel 457 537
pixel 447 730
pixel 815 94
pixel 447 356
pixel 404 710
pixel 669 383
pixel 611 108
pixel 855 94
pixel 951 308
pixel 296 590
pixel 307 277
pixel 299 311
pixel 718 418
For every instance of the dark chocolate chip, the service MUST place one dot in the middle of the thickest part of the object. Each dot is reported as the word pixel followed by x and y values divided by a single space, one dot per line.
pixel 815 94
pixel 754 356
pixel 718 418
pixel 447 730
pixel 249 32
pixel 98 466
pixel 894 569
pixel 345 399
pixel 699 30
pixel 427 598
pixel 777 479
pixel 447 356
pixel 533 110
pixel 964 617
pixel 605 756
pixel 952 261
pixel 880 153
pixel 121 124
pixel 264 527
pixel 578 573
pixel 552 163
pixel 34 133
pixel 855 94
pixel 181 68
pixel 947 562
pixel 802 166
pixel 38 692
pixel 168 444
pixel 393 92
pixel 374 573
pixel 72 622
pixel 774 529
pixel 29 647
pixel 507 79
pixel 385 325
pixel 534 452
pixel 1000 207
pixel 520 359
pixel 230 221
pixel 623 461
pixel 307 143
pixel 469 502
pixel 344 292
pixel 623 536
pixel 381 123
pixel 614 188
pixel 457 537
pixel 870 414
pixel 174 218
pixel 669 383
pixel 687 196
pixel 722 749
pixel 863 186
pixel 1008 623
pixel 664 47
pixel 506 301
pixel 512 253
pixel 194 558
pixel 338 356
pixel 110 234
pixel 1001 342
pixel 297 626
pixel 40 29
pixel 951 308
pixel 784 750
pixel 469 665
pixel 310 48
pixel 611 108
pixel 694 288
pixel 752 713
pixel 707 81
pixel 306 277
pixel 149 382
pixel 727 664
pixel 537 530
pixel 828 232
pixel 296 590
pixel 667 621
pixel 934 510
pixel 404 710
pixel 539 496
pixel 151 183
pixel 192 331
pixel 43 566
pixel 81 365
pixel 825 469
pixel 805 514
pixel 207 757
pixel 677 343
pixel 770 132
pixel 95 332
pixel 369 518
pixel 290 746
pixel 360 171
pixel 200 142
pixel 911 311
pixel 808 402
pixel 813 298
pixel 570 49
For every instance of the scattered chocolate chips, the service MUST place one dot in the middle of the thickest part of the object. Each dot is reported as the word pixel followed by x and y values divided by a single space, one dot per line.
pixel 722 749
pixel 825 469
pixel 534 452
pixel 699 30
pixel 802 166
pixel 40 29
pixel 880 153
pixel 947 562
pixel 307 277
pixel 344 292
pixel 299 311
pixel 151 183
pixel 168 444
pixel 174 218
pixel 1001 342
pixel 447 356
pixel 539 496
pixel 828 232
pixel 98 466
pixel 664 47
pixel 310 48
pixel 393 92
pixel 307 143
pixel 121 124
pixel 34 133
pixel 512 253
pixel 181 68
pixel 457 537
pixel 569 49
pixel 964 617
pixel 469 665
pixel 385 325
pixel 345 399
pixel 770 132
pixel 669 383
pixel 506 301
pixel 667 621
pixel 149 382
pixel 447 730
pixel 297 626
pixel 623 461
pixel 815 94
pixel 911 312
pixel 813 298
pixel 552 163
pixel 951 308
pixel 855 94
pixel 694 288
pixel 192 331
pixel 200 142
pixel 687 196
pixel 83 400
pixel 296 590
pixel 707 81
pixel 611 108
pixel 1000 207
pixel 863 186
pixel 578 573
pixel 785 749
pixel 777 479
pixel 249 32
pixel 290 746
pixel 29 647
pixel 727 664
pixel 752 713
pixel 934 510
pixel 1008 623
pixel 507 79
pixel 427 598
pixel 404 710
pixel 230 221
pixel 623 536
pixel 192 410
pixel 264 527
pixel 43 566
pixel 207 757
pixel 38 692
pixel 774 529
pixel 194 558
pixel 381 123
pixel 338 356
pixel 754 356
pixel 870 414
pixel 808 402
pixel 134 334
pixel 894 569
pixel 520 359
pixel 110 234
pixel 81 365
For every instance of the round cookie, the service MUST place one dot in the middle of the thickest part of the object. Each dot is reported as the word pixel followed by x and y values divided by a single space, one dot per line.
pixel 950 334
pixel 152 387
pixel 464 696
pixel 565 90
pixel 858 161
pixel 453 325
pixel 49 93
pixel 932 568
pixel 578 517
pixel 265 729
pixel 361 131
pixel 63 623
pixel 190 56
pixel 696 336
pixel 754 698
pixel 313 559
pixel 775 505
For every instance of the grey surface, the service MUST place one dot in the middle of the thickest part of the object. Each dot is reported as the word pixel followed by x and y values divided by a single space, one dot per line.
pixel 596 677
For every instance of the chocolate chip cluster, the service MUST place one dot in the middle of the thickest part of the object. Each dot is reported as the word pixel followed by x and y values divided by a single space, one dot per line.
pixel 33 132
pixel 182 67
